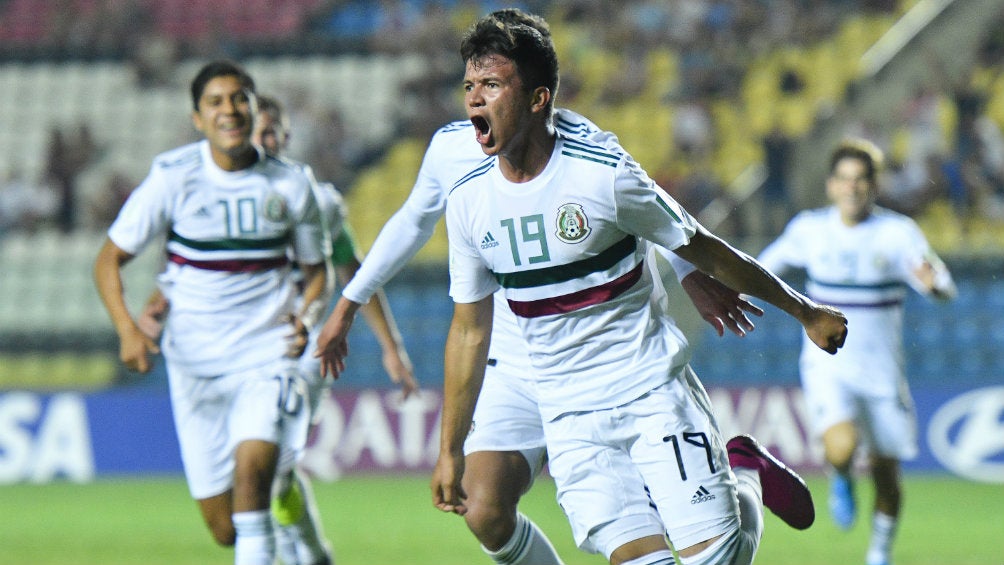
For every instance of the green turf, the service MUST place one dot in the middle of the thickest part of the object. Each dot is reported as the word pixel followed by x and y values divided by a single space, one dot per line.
pixel 389 521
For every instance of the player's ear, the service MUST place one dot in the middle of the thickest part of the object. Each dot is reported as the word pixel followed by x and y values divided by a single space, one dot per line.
pixel 197 120
pixel 540 98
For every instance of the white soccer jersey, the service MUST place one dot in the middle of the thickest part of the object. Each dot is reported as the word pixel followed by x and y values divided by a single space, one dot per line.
pixel 229 239
pixel 866 271
pixel 453 152
pixel 330 205
pixel 565 249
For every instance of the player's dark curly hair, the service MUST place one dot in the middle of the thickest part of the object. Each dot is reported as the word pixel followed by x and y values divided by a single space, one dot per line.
pixel 862 150
pixel 515 16
pixel 222 68
pixel 533 54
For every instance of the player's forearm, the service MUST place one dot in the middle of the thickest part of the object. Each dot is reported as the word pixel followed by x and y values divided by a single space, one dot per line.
pixel 743 273
pixel 465 367
pixel 465 358
pixel 108 280
pixel 399 240
pixel 380 319
pixel 315 294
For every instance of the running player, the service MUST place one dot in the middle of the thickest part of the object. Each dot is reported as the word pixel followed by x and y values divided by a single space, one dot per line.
pixel 232 217
pixel 863 259
pixel 557 223
pixel 299 533
pixel 300 536
pixel 506 448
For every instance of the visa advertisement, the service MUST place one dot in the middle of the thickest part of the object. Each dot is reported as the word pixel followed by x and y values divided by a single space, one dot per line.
pixel 82 436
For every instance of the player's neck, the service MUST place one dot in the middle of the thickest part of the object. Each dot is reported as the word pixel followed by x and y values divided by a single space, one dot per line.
pixel 528 159
pixel 851 221
pixel 235 160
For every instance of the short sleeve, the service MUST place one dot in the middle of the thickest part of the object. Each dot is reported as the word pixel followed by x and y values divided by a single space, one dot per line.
pixel 470 278
pixel 145 216
pixel 646 210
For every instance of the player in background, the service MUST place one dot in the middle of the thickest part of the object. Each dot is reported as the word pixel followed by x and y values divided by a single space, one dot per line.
pixel 299 533
pixel 230 215
pixel 294 507
pixel 506 449
pixel 627 422
pixel 272 133
pixel 863 259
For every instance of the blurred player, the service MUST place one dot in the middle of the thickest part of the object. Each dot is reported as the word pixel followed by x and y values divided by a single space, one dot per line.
pixel 230 215
pixel 294 506
pixel 300 534
pixel 506 448
pixel 627 422
pixel 861 258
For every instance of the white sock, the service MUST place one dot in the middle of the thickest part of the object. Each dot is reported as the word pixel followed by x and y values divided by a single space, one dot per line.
pixel 883 533
pixel 301 542
pixel 527 546
pixel 661 557
pixel 255 540
pixel 750 494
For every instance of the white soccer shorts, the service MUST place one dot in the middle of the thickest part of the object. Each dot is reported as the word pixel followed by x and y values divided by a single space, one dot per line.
pixel 665 449
pixel 212 415
pixel 506 417
pixel 887 424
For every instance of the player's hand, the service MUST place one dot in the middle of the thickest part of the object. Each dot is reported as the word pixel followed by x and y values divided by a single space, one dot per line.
pixel 332 342
pixel 926 274
pixel 151 319
pixel 398 365
pixel 719 305
pixel 135 348
pixel 826 327
pixel 447 494
pixel 296 338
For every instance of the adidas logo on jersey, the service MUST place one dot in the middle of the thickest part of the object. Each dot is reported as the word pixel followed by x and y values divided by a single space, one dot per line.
pixel 489 241
pixel 702 495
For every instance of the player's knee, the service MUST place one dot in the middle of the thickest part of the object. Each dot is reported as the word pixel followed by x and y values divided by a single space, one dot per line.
pixel 491 522
pixel 840 443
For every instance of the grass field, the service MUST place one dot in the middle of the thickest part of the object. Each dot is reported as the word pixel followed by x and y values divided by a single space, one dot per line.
pixel 389 521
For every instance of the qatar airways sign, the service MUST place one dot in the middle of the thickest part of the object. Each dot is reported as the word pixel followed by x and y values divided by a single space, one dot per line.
pixel 76 436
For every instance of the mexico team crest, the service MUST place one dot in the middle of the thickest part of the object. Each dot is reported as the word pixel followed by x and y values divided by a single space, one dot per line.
pixel 573 226
pixel 275 207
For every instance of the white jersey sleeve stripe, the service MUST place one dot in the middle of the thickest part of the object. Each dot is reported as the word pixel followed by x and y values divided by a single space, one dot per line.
pixel 480 170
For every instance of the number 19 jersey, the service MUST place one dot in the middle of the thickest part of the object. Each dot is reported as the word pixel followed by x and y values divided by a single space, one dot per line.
pixel 565 248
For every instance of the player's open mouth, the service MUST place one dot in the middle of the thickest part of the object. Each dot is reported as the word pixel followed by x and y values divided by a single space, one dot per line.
pixel 484 129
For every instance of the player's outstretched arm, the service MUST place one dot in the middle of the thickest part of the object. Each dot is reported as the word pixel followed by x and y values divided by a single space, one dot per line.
pixel 466 354
pixel 825 326
pixel 134 346
pixel 380 319
pixel 314 299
